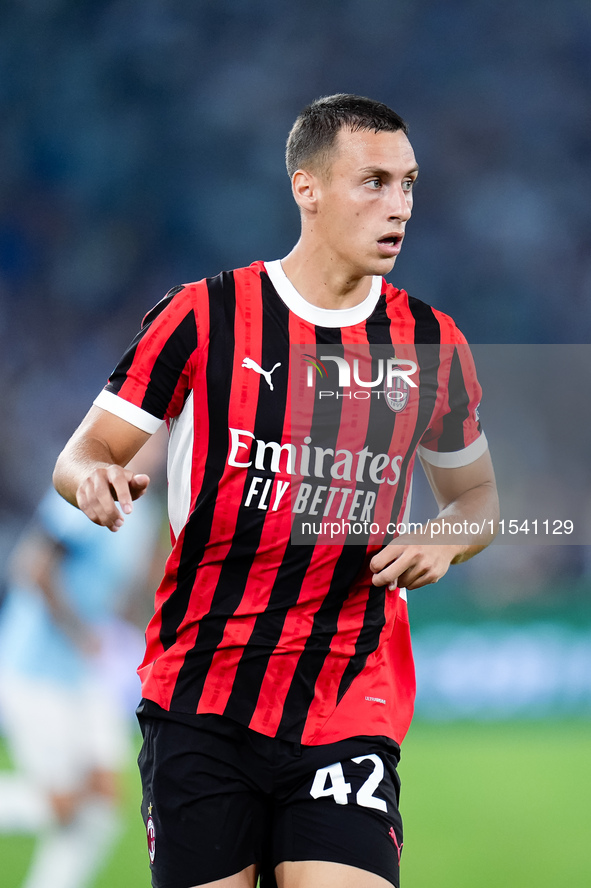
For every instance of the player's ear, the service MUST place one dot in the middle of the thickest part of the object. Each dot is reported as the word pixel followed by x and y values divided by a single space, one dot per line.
pixel 304 186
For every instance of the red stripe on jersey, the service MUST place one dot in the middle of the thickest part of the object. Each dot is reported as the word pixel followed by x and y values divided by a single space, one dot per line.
pixel 200 296
pixel 296 630
pixel 471 429
pixel 402 323
pixel 274 539
pixel 342 649
pixel 148 350
pixel 450 335
pixel 383 694
pixel 151 665
pixel 243 407
pixel 298 623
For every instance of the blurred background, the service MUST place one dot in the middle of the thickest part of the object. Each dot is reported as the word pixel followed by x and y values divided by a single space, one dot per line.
pixel 141 146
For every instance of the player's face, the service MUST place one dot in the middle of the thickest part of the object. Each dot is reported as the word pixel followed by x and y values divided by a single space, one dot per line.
pixel 366 200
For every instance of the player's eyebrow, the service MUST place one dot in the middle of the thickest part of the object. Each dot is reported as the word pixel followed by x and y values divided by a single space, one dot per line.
pixel 378 171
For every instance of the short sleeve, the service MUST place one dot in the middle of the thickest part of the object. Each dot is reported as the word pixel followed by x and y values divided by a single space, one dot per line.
pixel 151 381
pixel 455 437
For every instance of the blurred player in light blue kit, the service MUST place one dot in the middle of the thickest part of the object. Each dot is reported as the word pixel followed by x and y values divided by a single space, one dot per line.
pixel 67 681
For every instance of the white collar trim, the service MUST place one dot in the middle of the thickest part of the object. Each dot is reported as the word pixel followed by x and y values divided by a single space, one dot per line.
pixel 322 317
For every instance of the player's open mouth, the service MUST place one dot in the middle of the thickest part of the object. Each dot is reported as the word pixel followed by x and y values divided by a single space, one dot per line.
pixel 391 244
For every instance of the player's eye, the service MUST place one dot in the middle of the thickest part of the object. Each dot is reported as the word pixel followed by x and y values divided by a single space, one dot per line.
pixel 407 184
pixel 375 183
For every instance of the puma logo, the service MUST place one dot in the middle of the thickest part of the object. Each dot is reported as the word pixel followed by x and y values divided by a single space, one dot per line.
pixel 392 835
pixel 252 365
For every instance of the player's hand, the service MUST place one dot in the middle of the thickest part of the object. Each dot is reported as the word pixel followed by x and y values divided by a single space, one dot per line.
pixel 410 564
pixel 98 494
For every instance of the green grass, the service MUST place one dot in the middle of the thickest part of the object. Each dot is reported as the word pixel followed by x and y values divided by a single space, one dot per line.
pixel 126 868
pixel 483 805
pixel 499 804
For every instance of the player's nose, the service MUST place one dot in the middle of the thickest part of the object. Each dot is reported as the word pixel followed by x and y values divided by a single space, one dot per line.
pixel 401 204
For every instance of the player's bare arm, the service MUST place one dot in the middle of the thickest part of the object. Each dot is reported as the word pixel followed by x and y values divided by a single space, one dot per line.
pixel 465 494
pixel 90 472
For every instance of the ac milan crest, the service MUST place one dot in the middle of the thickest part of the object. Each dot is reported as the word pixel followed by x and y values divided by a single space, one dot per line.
pixel 397 394
pixel 151 833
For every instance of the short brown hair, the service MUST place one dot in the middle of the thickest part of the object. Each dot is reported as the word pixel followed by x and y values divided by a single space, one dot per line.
pixel 314 132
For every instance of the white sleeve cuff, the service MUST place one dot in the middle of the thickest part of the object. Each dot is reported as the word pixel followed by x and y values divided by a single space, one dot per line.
pixel 456 458
pixel 129 412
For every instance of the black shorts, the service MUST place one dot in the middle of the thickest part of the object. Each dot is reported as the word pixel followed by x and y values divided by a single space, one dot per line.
pixel 219 797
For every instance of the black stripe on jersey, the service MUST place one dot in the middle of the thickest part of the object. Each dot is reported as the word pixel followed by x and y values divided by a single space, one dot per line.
pixel 351 560
pixel 428 359
pixel 452 435
pixel 324 430
pixel 368 639
pixel 377 326
pixel 158 308
pixel 427 329
pixel 169 366
pixel 268 426
pixel 119 374
pixel 427 338
pixel 267 632
pixel 381 429
pixel 284 595
pixel 317 648
pixel 222 308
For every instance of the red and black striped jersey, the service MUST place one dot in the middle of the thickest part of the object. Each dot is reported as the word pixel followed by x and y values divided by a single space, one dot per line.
pixel 287 635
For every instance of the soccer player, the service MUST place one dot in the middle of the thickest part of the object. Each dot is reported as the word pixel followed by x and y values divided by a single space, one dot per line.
pixel 278 679
pixel 65 651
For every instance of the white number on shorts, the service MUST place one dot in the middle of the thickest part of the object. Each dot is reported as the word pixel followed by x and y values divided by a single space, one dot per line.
pixel 339 789
pixel 365 796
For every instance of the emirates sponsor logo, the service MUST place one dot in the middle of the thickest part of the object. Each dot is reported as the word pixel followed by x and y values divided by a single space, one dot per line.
pixel 308 460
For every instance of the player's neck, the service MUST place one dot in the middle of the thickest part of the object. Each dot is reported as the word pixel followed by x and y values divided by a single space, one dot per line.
pixel 322 281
